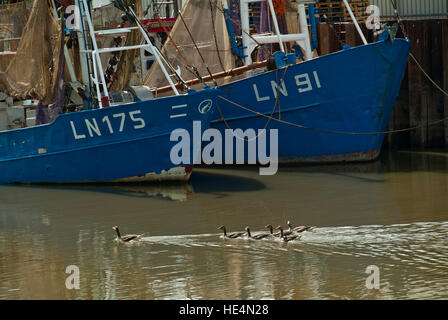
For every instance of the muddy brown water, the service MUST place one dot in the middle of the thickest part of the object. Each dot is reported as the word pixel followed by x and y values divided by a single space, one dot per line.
pixel 392 213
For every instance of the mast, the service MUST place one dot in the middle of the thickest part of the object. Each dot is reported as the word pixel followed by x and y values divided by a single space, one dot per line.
pixel 277 29
pixel 349 9
pixel 250 42
pixel 98 71
pixel 66 53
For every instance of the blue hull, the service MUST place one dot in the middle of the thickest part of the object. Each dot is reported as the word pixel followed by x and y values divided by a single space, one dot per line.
pixel 125 143
pixel 350 91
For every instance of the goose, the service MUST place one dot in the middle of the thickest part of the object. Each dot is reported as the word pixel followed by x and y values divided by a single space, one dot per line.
pixel 271 231
pixel 277 234
pixel 297 229
pixel 232 235
pixel 286 237
pixel 128 237
pixel 257 236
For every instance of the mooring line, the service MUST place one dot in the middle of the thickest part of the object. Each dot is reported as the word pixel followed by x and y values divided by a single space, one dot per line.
pixel 277 102
pixel 325 130
pixel 427 124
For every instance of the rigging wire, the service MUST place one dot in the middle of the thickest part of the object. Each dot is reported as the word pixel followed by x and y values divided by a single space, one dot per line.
pixel 197 48
pixel 259 45
pixel 277 102
pixel 87 56
pixel 433 123
pixel 348 132
pixel 131 13
pixel 190 67
pixel 212 16
pixel 325 130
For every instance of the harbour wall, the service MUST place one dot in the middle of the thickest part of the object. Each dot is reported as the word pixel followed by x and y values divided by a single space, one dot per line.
pixel 420 103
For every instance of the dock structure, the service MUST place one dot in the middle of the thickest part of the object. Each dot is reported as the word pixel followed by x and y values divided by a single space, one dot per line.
pixel 420 103
pixel 335 10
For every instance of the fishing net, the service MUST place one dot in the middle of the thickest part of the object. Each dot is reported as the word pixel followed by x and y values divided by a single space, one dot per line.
pixel 33 70
pixel 13 18
pixel 206 23
pixel 127 63
pixel 292 17
pixel 110 17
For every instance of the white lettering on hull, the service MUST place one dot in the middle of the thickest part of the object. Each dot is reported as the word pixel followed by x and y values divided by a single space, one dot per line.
pixel 93 127
pixel 303 83
pixel 75 134
pixel 181 109
pixel 94 130
pixel 257 95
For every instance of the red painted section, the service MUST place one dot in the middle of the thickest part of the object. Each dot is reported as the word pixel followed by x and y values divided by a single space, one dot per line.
pixel 105 101
pixel 156 21
pixel 188 169
pixel 146 21
pixel 157 30
pixel 65 3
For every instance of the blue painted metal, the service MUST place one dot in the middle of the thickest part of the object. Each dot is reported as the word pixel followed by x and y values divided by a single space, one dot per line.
pixel 353 90
pixel 120 143
pixel 298 51
pixel 236 49
pixel 282 59
pixel 312 18
pixel 88 103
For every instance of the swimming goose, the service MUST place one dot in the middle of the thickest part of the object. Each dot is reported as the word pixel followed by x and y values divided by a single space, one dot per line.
pixel 297 229
pixel 231 235
pixel 286 236
pixel 257 236
pixel 271 230
pixel 128 237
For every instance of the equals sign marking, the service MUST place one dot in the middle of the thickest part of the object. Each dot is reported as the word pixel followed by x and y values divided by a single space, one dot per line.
pixel 180 108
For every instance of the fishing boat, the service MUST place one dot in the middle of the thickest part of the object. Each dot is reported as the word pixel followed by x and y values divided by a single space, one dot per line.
pixel 123 137
pixel 329 108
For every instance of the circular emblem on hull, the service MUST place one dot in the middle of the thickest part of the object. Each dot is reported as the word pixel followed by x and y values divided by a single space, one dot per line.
pixel 205 106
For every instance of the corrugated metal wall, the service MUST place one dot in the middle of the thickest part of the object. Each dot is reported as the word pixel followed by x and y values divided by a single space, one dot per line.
pixel 414 8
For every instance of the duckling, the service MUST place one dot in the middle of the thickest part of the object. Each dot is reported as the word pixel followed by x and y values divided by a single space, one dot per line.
pixel 231 235
pixel 257 236
pixel 286 236
pixel 297 229
pixel 128 237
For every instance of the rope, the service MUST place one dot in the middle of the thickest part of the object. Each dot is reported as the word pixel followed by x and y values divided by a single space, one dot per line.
pixel 197 49
pixel 212 13
pixel 428 76
pixel 277 102
pixel 191 68
pixel 330 131
pixel 259 45
pixel 133 18
pixel 270 117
